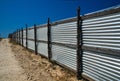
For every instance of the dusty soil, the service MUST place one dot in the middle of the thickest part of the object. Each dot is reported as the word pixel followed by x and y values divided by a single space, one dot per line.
pixel 38 68
pixel 10 69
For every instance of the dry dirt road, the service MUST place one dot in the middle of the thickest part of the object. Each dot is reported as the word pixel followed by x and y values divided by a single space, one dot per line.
pixel 9 67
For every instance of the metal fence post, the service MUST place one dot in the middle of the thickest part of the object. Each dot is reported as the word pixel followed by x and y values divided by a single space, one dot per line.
pixel 49 40
pixel 35 37
pixel 26 37
pixel 79 45
pixel 22 36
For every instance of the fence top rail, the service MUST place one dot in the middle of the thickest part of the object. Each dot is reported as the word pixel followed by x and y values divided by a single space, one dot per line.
pixel 64 21
pixel 99 13
pixel 103 12
pixel 113 7
pixel 42 26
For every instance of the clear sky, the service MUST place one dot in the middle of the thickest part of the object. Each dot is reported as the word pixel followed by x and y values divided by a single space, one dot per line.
pixel 14 14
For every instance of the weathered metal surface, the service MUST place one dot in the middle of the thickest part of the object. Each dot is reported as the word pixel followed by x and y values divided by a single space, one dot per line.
pixel 31 34
pixel 64 33
pixel 42 48
pixel 42 33
pixel 31 45
pixel 103 34
pixel 64 55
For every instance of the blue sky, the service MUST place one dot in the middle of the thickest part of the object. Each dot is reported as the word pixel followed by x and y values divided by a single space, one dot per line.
pixel 14 14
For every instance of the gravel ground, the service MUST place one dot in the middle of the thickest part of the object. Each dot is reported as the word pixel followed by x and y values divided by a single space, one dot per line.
pixel 10 69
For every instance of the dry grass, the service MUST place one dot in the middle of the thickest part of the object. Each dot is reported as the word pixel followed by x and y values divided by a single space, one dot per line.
pixel 38 68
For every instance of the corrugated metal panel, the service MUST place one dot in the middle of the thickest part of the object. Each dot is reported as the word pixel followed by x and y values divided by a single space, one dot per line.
pixel 31 45
pixel 20 34
pixel 24 33
pixel 24 42
pixel 42 33
pixel 64 55
pixel 21 37
pixel 43 48
pixel 64 33
pixel 101 66
pixel 31 34
pixel 102 32
pixel 20 41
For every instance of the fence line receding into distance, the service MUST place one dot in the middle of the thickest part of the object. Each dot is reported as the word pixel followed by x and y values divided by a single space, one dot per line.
pixel 88 45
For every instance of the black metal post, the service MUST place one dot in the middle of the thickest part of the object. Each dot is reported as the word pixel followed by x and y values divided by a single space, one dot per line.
pixel 22 35
pixel 79 46
pixel 49 40
pixel 35 37
pixel 26 37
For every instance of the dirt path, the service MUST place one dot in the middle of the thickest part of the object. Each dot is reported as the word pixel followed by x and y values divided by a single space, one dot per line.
pixel 19 64
pixel 9 67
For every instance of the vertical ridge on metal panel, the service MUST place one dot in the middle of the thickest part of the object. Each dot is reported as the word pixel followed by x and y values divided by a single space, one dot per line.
pixel 35 38
pixel 49 40
pixel 79 45
pixel 22 36
pixel 26 37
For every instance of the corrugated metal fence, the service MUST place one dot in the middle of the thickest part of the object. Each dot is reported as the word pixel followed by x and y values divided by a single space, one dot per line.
pixel 88 45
